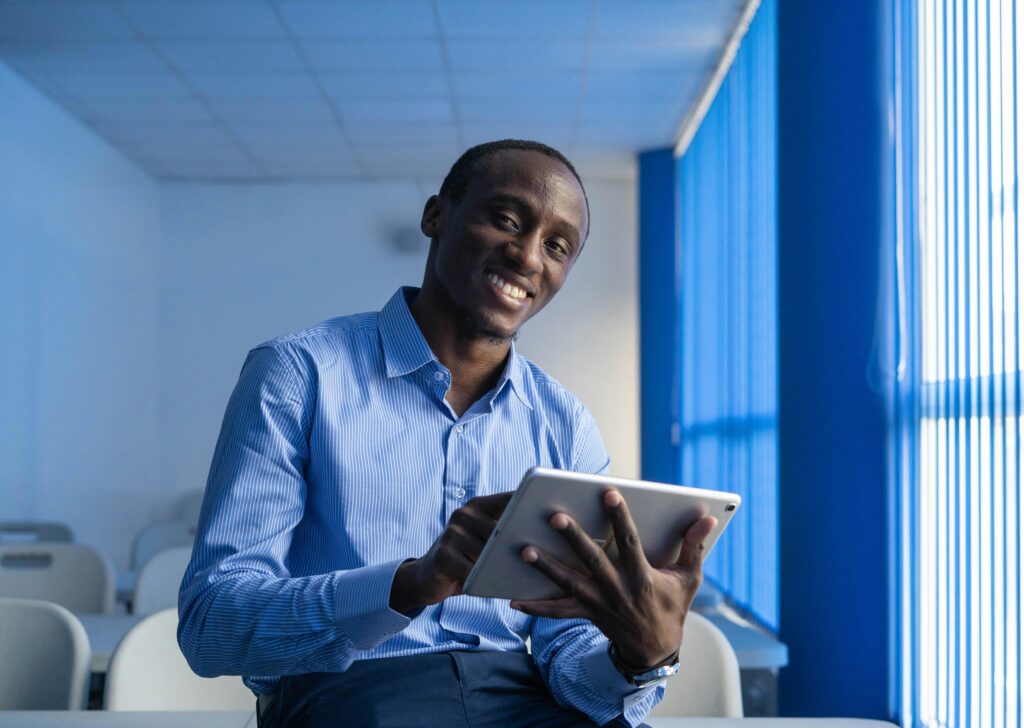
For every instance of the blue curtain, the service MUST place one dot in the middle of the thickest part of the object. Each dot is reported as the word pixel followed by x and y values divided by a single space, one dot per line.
pixel 727 239
pixel 956 410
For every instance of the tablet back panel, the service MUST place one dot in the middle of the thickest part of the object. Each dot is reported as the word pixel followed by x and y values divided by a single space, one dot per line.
pixel 661 512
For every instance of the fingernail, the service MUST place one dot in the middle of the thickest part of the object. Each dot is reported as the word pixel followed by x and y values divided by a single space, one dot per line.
pixel 613 498
pixel 560 521
pixel 530 555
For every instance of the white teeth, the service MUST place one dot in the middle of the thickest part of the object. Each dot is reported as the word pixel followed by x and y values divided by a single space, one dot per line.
pixel 507 288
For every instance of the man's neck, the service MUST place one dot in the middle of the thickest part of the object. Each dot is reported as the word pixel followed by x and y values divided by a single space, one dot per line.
pixel 475 360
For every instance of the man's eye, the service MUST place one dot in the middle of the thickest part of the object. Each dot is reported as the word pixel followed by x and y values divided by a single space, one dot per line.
pixel 557 247
pixel 506 221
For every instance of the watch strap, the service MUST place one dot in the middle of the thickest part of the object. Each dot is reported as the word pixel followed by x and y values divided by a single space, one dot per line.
pixel 644 676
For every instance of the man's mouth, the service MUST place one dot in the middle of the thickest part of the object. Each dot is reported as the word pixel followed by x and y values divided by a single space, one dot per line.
pixel 510 291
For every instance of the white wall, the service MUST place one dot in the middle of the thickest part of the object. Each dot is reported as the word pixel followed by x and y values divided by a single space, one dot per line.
pixel 79 325
pixel 242 264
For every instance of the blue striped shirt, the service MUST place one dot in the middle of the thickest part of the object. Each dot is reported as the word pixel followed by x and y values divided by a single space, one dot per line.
pixel 338 459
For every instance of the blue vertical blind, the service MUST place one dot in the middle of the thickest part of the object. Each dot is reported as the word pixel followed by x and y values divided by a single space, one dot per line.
pixel 957 419
pixel 727 229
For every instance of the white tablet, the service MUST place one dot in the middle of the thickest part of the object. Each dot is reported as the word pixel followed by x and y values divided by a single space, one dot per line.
pixel 661 512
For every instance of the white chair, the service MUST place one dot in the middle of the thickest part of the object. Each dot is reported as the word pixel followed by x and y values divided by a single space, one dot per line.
pixel 159 579
pixel 148 672
pixel 188 506
pixel 708 682
pixel 75 576
pixel 160 536
pixel 22 532
pixel 45 657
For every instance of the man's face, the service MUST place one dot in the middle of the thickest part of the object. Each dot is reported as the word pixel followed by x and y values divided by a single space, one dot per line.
pixel 506 248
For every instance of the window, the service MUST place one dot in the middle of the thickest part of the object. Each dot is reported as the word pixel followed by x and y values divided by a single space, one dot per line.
pixel 727 229
pixel 957 416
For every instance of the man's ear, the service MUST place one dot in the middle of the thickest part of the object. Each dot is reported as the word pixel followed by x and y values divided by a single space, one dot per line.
pixel 433 212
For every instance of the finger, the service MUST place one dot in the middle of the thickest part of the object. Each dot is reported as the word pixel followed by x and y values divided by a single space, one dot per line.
pixel 492 505
pixel 631 551
pixel 691 556
pixel 474 520
pixel 463 541
pixel 572 583
pixel 592 556
pixel 562 608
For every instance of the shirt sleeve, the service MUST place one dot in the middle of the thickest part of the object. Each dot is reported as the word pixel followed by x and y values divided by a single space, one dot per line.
pixel 572 654
pixel 240 611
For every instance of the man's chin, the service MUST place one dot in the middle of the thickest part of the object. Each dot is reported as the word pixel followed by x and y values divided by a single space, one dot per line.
pixel 490 330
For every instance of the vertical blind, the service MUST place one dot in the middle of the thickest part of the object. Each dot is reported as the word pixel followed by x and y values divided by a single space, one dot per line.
pixel 727 239
pixel 958 76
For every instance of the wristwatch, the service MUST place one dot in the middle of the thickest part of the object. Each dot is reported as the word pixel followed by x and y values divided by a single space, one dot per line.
pixel 647 677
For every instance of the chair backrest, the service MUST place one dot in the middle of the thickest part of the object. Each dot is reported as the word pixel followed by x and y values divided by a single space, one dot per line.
pixel 160 536
pixel 708 682
pixel 156 588
pixel 23 532
pixel 188 506
pixel 148 672
pixel 44 657
pixel 73 575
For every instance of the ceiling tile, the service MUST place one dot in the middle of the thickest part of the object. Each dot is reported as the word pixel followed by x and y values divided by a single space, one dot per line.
pixel 390 132
pixel 84 83
pixel 57 56
pixel 378 19
pixel 526 19
pixel 372 56
pixel 398 109
pixel 489 83
pixel 653 55
pixel 310 169
pixel 641 112
pixel 549 111
pixel 264 132
pixel 628 137
pixel 408 84
pixel 701 21
pixel 293 84
pixel 139 134
pixel 632 85
pixel 217 20
pixel 280 110
pixel 509 55
pixel 49 21
pixel 156 109
pixel 556 136
pixel 232 56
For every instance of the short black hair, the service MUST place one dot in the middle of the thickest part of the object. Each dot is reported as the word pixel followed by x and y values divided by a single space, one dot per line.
pixel 457 180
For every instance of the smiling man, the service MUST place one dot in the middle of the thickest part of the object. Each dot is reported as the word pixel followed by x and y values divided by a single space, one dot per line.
pixel 362 465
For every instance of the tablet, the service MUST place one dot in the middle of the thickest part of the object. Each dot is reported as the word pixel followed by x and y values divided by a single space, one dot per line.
pixel 661 512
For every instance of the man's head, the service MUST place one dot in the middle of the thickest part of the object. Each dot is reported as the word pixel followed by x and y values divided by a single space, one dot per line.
pixel 506 227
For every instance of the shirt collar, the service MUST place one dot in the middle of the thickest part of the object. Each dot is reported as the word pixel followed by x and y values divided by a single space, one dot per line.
pixel 405 349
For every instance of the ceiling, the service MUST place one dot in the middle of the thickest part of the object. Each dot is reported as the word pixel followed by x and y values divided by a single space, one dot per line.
pixel 311 89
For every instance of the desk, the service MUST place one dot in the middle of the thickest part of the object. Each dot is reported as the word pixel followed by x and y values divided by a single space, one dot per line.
pixel 105 631
pixel 102 718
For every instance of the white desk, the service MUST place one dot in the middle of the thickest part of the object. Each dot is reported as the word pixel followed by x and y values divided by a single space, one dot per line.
pixel 102 719
pixel 105 631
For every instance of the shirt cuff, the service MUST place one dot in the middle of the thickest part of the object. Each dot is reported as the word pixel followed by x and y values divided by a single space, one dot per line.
pixel 364 610
pixel 613 686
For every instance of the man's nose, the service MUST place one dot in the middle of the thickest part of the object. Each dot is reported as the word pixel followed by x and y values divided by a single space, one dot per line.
pixel 526 252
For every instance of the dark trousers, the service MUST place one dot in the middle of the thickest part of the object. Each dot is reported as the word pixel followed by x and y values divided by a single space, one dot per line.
pixel 445 690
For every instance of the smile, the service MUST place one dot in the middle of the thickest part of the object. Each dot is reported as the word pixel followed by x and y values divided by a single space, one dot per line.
pixel 513 292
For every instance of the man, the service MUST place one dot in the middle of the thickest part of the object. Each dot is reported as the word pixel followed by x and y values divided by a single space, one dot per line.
pixel 363 463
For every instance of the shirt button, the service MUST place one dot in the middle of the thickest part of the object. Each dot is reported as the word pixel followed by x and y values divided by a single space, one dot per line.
pixel 460 493
pixel 439 376
pixel 458 429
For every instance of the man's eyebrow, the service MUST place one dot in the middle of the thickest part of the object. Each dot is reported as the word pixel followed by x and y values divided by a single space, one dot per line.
pixel 521 202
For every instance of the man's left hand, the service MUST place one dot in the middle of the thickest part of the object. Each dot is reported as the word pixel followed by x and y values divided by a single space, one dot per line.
pixel 639 608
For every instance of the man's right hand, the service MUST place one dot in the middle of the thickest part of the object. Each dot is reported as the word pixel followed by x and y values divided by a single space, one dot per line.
pixel 441 572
